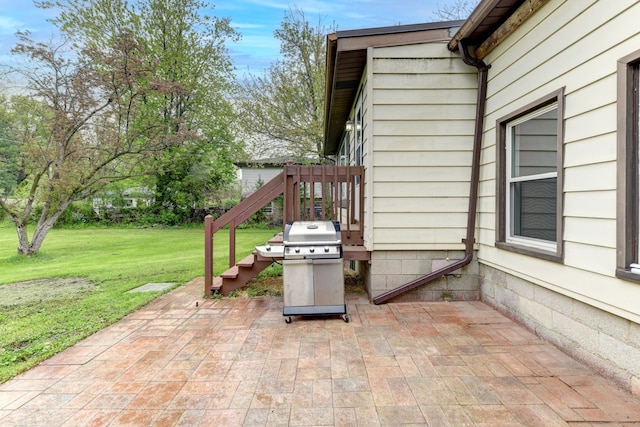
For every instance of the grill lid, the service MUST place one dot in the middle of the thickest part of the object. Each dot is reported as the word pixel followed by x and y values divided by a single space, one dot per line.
pixel 312 232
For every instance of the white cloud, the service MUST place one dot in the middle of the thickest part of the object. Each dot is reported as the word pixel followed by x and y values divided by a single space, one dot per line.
pixel 246 25
pixel 9 25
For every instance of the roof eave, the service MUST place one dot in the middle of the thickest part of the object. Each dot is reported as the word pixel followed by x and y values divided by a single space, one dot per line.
pixel 477 16
pixel 348 49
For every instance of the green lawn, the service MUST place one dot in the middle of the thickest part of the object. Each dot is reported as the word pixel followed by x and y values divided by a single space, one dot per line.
pixel 113 260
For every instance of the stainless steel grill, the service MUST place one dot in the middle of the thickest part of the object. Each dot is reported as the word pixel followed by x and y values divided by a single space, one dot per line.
pixel 313 277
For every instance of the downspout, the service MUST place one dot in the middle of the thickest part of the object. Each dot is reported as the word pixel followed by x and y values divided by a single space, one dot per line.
pixel 469 240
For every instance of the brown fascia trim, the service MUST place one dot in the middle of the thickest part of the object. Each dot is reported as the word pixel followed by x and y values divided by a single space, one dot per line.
pixel 474 20
pixel 387 36
pixel 332 44
pixel 489 42
pixel 514 21
pixel 398 29
pixel 469 240
pixel 393 39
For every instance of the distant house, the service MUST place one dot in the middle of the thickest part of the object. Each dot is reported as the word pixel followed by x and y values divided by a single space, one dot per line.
pixel 129 198
pixel 255 173
pixel 501 158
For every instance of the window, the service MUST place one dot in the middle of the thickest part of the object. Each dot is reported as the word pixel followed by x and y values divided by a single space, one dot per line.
pixel 628 158
pixel 530 179
pixel 343 159
pixel 359 143
pixel 359 135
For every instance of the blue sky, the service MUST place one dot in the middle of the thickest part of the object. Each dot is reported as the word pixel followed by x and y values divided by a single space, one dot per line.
pixel 254 19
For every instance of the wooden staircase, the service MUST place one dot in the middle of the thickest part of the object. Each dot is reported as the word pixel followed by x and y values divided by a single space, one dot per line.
pixel 309 192
pixel 240 274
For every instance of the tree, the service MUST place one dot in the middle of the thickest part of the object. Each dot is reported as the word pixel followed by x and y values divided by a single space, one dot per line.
pixel 282 109
pixel 455 9
pixel 83 126
pixel 190 49
pixel 189 54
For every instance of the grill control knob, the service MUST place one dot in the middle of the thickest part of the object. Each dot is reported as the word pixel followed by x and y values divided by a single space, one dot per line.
pixel 297 250
pixel 326 248
pixel 312 250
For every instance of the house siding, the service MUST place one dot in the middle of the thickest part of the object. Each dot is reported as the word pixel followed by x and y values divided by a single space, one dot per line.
pixel 419 110
pixel 423 103
pixel 420 105
pixel 573 45
pixel 578 303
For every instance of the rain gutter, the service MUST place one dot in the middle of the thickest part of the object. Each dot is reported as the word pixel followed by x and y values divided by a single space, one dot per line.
pixel 469 240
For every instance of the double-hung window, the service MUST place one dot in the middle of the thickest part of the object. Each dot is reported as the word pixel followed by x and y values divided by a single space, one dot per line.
pixel 628 163
pixel 530 179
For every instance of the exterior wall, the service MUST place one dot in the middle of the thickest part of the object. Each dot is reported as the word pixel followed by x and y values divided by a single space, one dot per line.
pixel 390 269
pixel 422 102
pixel 418 106
pixel 602 340
pixel 574 45
pixel 577 304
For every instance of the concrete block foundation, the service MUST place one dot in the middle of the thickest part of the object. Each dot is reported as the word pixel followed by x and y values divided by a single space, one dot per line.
pixel 389 270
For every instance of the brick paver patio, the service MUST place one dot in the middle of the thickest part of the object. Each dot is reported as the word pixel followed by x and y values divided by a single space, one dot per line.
pixel 187 361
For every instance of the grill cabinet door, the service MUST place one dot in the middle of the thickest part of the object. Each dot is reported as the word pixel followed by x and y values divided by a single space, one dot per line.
pixel 298 282
pixel 328 279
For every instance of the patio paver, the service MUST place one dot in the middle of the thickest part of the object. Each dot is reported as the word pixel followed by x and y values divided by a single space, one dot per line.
pixel 189 361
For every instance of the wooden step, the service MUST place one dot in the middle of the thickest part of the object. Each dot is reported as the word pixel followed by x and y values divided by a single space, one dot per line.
pixel 231 273
pixel 217 285
pixel 277 239
pixel 247 262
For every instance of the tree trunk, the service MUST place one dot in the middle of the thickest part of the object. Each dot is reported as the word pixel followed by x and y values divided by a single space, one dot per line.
pixel 23 238
pixel 43 227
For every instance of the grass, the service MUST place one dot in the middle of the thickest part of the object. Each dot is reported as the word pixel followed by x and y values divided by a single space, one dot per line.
pixel 114 261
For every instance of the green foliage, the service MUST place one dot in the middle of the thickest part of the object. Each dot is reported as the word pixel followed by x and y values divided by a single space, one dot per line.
pixel 189 48
pixel 78 213
pixel 260 291
pixel 130 89
pixel 275 270
pixel 113 260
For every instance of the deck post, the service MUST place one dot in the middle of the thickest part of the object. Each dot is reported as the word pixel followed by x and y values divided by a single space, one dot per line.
pixel 232 243
pixel 208 254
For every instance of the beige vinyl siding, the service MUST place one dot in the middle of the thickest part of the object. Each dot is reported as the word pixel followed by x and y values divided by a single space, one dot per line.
pixel 575 45
pixel 423 103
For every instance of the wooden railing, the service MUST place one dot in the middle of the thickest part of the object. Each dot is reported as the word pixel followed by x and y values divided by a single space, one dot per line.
pixel 310 193
pixel 326 193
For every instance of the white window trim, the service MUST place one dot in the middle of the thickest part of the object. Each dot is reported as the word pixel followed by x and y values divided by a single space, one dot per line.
pixel 539 244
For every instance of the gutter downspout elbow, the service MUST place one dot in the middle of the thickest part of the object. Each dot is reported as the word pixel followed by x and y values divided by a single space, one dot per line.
pixel 469 239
